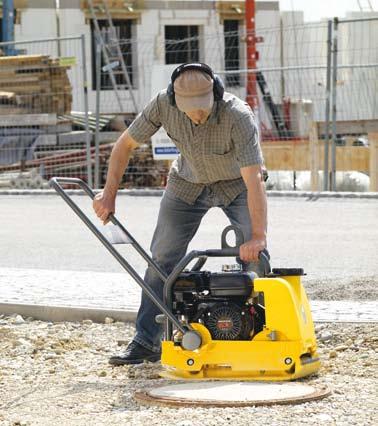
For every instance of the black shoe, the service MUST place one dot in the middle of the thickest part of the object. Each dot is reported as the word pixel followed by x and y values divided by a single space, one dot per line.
pixel 135 354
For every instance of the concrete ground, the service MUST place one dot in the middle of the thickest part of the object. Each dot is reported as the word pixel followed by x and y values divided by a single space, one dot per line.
pixel 329 238
pixel 49 257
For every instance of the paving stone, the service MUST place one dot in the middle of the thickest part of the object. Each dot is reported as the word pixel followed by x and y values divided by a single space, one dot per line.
pixel 119 291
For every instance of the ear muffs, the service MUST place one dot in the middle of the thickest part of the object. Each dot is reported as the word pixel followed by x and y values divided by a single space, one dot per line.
pixel 218 86
pixel 171 94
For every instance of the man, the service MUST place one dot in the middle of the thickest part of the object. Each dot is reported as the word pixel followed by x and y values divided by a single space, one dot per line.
pixel 220 165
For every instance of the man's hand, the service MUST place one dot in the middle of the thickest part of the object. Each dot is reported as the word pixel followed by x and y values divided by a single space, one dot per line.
pixel 104 202
pixel 252 176
pixel 249 251
pixel 104 205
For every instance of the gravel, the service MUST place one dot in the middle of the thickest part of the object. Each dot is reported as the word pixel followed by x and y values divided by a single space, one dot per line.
pixel 57 374
pixel 342 288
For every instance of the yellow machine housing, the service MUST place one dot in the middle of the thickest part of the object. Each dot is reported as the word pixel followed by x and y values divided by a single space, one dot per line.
pixel 284 350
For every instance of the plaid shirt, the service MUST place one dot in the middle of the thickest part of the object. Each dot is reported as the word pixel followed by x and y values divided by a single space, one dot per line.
pixel 211 154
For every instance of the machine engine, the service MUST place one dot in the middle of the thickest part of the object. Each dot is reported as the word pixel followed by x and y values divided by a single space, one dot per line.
pixel 222 302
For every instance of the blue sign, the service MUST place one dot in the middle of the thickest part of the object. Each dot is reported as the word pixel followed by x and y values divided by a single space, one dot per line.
pixel 166 150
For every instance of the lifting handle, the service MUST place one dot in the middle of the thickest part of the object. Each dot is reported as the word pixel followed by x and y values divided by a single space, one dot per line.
pixel 55 183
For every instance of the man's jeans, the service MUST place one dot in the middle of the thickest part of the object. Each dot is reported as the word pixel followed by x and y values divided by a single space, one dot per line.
pixel 177 223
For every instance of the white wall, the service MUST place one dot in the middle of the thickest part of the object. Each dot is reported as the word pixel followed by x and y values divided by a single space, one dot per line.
pixel 72 23
pixel 302 44
pixel 36 24
pixel 357 91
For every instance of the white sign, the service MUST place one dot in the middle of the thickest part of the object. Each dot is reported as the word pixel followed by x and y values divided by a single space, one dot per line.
pixel 162 146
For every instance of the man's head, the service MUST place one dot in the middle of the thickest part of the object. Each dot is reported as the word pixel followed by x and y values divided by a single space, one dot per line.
pixel 194 94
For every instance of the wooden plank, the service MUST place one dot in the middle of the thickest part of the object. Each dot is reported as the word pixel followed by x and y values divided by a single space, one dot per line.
pixel 115 14
pixel 352 158
pixel 112 4
pixel 300 155
pixel 28 120
pixel 231 10
pixel 22 79
pixel 21 59
pixel 40 83
pixel 353 127
pixel 5 73
pixel 117 8
pixel 28 89
pixel 373 163
pixel 286 155
pixel 16 69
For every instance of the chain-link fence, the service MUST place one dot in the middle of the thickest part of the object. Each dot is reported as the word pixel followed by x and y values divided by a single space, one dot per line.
pixel 322 73
pixel 353 85
pixel 294 88
pixel 290 79
pixel 44 127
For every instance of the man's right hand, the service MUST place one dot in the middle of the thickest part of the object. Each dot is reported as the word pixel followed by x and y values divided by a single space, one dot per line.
pixel 104 205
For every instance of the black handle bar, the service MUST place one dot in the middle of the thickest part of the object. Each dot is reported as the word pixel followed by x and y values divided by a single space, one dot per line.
pixel 56 183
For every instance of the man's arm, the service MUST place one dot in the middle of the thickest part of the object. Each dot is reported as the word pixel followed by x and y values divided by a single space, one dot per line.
pixel 257 205
pixel 104 202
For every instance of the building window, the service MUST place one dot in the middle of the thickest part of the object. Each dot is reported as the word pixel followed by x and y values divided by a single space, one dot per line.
pixel 232 51
pixel 181 44
pixel 123 29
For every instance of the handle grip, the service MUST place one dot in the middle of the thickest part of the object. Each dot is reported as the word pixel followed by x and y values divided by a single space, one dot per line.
pixel 234 252
pixel 56 181
pixel 224 252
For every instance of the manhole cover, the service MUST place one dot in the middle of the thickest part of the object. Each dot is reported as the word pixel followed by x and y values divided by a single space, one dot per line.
pixel 228 394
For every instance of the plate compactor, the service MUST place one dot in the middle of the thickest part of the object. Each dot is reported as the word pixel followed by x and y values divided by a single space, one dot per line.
pixel 222 325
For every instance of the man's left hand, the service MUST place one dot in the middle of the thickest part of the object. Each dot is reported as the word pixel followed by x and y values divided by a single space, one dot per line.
pixel 249 251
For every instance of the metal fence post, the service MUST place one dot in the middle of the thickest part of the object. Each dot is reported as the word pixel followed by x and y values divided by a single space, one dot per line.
pixel 86 108
pixel 327 111
pixel 334 104
pixel 97 134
